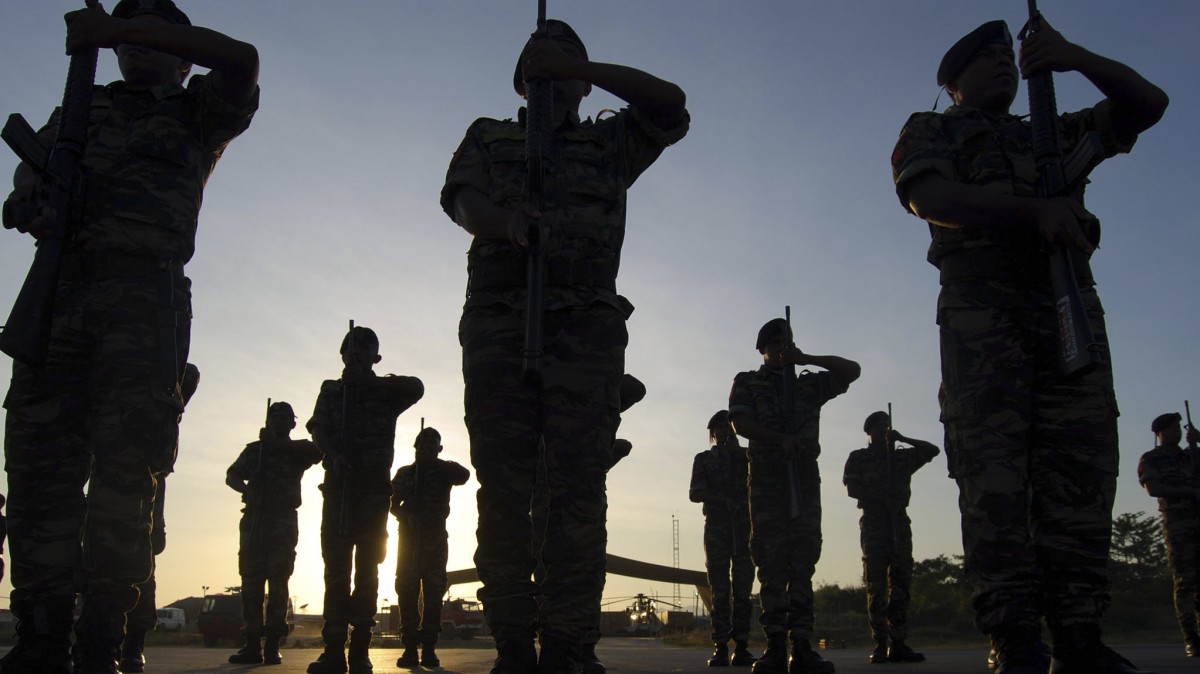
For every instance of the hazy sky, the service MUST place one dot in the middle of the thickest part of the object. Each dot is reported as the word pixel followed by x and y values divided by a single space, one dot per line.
pixel 326 210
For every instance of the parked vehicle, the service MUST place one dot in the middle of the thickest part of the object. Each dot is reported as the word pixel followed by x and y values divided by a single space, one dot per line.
pixel 221 618
pixel 462 618
pixel 171 619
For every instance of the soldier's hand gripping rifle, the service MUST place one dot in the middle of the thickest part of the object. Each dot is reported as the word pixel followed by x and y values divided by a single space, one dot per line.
pixel 791 425
pixel 1079 352
pixel 26 333
pixel 346 465
pixel 538 114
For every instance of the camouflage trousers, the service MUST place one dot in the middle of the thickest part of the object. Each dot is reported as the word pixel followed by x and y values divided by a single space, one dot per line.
pixel 730 574
pixel 352 555
pixel 1182 534
pixel 784 548
pixel 420 584
pixel 143 617
pixel 266 559
pixel 97 412
pixel 574 415
pixel 887 571
pixel 1035 457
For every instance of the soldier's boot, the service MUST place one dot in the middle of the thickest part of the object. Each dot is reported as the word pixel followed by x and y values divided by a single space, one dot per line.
pixel 271 654
pixel 560 654
pixel 742 657
pixel 333 660
pixel 900 652
pixel 429 656
pixel 1191 644
pixel 515 654
pixel 358 656
pixel 590 663
pixel 132 658
pixel 720 656
pixel 98 636
pixel 1019 650
pixel 774 660
pixel 1078 650
pixel 250 654
pixel 807 661
pixel 409 658
pixel 879 656
pixel 43 632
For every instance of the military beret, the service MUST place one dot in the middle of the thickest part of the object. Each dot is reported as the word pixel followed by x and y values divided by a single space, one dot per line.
pixel 127 9
pixel 1164 421
pixel 721 417
pixel 874 418
pixel 770 330
pixel 361 336
pixel 281 408
pixel 963 51
pixel 556 29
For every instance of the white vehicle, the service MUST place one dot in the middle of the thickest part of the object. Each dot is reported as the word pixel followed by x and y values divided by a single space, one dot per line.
pixel 171 619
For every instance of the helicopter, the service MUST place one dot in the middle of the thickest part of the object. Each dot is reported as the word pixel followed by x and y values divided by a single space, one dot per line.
pixel 643 614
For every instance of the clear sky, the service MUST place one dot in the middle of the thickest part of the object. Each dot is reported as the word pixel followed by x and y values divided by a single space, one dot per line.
pixel 326 210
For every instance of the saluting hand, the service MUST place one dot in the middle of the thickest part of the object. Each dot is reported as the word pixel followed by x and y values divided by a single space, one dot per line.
pixel 545 59
pixel 91 28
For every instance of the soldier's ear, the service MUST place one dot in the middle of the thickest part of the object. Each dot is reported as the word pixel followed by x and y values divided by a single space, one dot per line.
pixel 378 358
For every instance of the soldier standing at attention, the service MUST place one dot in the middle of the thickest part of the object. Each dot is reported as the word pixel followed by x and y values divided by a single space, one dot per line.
pixel 575 410
pixel 719 482
pixel 421 504
pixel 143 617
pixel 105 403
pixel 785 488
pixel 1034 452
pixel 1169 473
pixel 880 477
pixel 268 474
pixel 354 425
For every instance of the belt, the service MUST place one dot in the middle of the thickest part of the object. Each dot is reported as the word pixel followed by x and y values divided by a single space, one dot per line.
pixel 1002 265
pixel 105 265
pixel 510 274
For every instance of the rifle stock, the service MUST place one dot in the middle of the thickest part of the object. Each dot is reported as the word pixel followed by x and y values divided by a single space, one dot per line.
pixel 1079 351
pixel 26 333
pixel 537 139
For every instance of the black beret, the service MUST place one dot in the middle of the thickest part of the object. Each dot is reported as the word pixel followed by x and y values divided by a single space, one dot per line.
pixel 361 336
pixel 281 407
pixel 721 417
pixel 556 29
pixel 963 51
pixel 127 9
pixel 1164 421
pixel 770 330
pixel 874 418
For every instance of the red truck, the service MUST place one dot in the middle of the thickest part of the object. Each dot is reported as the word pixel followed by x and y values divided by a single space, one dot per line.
pixel 221 618
pixel 462 618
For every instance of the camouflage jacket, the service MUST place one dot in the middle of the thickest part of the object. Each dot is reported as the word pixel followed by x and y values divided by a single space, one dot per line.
pixel 758 394
pixel 274 479
pixel 421 492
pixel 719 482
pixel 993 151
pixel 591 165
pixel 149 154
pixel 370 430
pixel 867 477
pixel 1171 466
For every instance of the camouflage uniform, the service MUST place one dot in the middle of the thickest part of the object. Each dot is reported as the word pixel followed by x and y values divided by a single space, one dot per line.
pixel 421 503
pixel 358 550
pixel 883 488
pixel 785 549
pixel 105 404
pixel 1171 465
pixel 576 410
pixel 268 531
pixel 719 482
pixel 1034 452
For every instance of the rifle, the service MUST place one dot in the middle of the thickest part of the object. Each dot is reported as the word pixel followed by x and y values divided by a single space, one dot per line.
pixel 26 334
pixel 1078 350
pixel 538 114
pixel 414 537
pixel 347 473
pixel 1187 409
pixel 255 528
pixel 790 427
